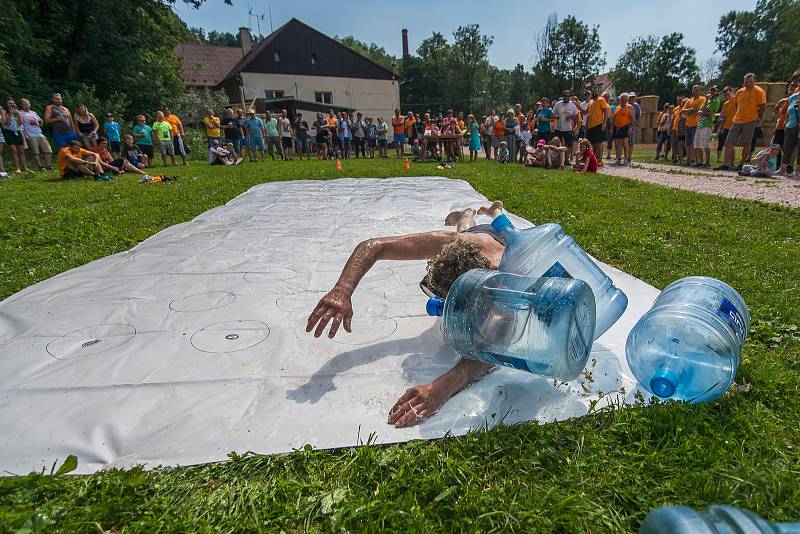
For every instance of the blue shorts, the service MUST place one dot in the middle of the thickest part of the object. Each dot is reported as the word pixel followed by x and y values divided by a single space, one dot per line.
pixel 399 138
pixel 62 139
pixel 690 136
pixel 302 143
pixel 256 142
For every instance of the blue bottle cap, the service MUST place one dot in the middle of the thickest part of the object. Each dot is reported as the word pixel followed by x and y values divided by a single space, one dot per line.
pixel 435 307
pixel 501 222
pixel 664 383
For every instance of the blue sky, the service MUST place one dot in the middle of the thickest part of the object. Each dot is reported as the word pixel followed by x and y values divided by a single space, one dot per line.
pixel 512 23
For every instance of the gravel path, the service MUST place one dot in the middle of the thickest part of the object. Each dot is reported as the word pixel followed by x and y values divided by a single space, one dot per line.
pixel 782 191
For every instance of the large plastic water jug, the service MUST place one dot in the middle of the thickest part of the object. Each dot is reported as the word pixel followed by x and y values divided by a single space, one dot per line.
pixel 688 346
pixel 544 326
pixel 545 250
pixel 717 519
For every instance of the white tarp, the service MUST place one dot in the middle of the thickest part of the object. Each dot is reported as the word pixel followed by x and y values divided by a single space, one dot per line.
pixel 193 343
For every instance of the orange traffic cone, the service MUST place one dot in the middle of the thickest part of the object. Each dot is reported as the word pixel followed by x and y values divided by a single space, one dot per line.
pixel 406 166
pixel 338 165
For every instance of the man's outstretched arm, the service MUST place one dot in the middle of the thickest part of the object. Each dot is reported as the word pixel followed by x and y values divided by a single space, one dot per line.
pixel 420 402
pixel 337 306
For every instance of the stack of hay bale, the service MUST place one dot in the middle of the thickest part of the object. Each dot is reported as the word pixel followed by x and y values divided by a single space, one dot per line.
pixel 648 122
pixel 774 92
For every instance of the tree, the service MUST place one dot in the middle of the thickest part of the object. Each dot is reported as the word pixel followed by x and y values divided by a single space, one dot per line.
pixel 424 76
pixel 467 58
pixel 664 67
pixel 376 53
pixel 763 41
pixel 568 54
pixel 521 87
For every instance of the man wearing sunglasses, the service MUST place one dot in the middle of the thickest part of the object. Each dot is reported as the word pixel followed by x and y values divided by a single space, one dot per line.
pixel 449 255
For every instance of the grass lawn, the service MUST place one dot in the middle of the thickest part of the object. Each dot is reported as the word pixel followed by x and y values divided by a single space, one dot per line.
pixel 600 473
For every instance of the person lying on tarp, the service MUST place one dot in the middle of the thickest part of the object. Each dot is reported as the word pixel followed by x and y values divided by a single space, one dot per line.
pixel 449 254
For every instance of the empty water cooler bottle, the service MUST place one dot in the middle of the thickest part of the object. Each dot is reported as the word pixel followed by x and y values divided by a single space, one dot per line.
pixel 544 326
pixel 717 519
pixel 688 346
pixel 545 250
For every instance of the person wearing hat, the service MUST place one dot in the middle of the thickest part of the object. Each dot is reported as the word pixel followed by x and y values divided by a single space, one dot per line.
pixel 143 135
pixel 566 113
pixel 113 134
pixel 255 130
pixel 764 164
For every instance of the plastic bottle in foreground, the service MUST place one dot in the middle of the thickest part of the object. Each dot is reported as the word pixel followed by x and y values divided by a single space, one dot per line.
pixel 544 326
pixel 688 346
pixel 545 250
pixel 718 519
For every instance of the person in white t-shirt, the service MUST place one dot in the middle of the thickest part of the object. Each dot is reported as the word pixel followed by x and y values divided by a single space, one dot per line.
pixel 584 106
pixel 38 145
pixel 566 113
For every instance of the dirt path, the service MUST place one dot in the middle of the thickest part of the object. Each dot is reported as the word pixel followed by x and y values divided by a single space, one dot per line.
pixel 782 191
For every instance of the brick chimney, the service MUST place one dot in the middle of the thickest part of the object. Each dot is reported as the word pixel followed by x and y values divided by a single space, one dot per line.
pixel 246 40
pixel 405 42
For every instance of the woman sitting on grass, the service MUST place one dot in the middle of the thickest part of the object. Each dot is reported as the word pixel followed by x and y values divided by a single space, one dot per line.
pixel 586 160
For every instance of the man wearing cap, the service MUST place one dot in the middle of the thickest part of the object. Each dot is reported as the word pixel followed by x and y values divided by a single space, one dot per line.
pixel 177 133
pixel 254 127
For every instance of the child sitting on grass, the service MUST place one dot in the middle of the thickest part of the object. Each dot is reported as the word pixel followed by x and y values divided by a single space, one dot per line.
pixel 556 154
pixel 586 160
pixel 502 156
pixel 764 164
pixel 537 156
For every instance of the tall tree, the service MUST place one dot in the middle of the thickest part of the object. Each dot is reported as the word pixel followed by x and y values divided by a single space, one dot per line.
pixel 664 67
pixel 467 58
pixel 569 54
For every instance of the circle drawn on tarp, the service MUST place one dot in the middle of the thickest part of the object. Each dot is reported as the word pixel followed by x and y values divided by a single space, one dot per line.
pixel 90 340
pixel 269 274
pixel 230 336
pixel 302 301
pixel 213 300
pixel 366 331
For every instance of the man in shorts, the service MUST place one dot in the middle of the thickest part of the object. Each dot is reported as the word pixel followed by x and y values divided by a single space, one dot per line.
pixel 597 115
pixel 163 132
pixel 302 140
pixel 143 135
pixel 750 102
pixel 702 137
pixel 273 136
pixel 76 162
pixel 566 113
pixel 725 120
pixel 321 136
pixel 450 254
pixel 399 127
pixel 177 133
pixel 691 111
pixel 60 120
pixel 254 127
pixel 287 135
pixel 37 142
pixel 212 125
pixel 637 113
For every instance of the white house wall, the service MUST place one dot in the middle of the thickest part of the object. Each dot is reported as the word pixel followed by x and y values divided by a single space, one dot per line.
pixel 371 97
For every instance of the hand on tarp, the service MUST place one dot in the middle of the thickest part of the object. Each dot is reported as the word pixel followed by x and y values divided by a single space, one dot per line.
pixel 416 405
pixel 336 306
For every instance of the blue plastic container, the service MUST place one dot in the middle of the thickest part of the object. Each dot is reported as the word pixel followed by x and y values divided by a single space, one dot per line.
pixel 543 326
pixel 545 250
pixel 718 519
pixel 688 346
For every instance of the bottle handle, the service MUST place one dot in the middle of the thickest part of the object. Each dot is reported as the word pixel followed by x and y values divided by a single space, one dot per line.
pixel 512 296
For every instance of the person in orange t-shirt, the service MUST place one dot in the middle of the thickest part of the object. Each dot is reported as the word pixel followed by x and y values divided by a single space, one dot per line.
pixel 399 128
pixel 75 162
pixel 726 118
pixel 750 102
pixel 597 114
pixel 690 110
pixel 623 118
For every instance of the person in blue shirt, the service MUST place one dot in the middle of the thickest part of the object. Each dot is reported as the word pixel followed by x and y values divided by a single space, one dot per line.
pixel 764 163
pixel 113 134
pixel 543 125
pixel 256 131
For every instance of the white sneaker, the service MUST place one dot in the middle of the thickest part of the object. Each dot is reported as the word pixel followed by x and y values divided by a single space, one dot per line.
pixel 3 174
pixel 793 176
pixel 779 172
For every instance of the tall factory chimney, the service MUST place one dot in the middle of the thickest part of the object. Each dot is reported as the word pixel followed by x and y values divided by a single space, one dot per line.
pixel 405 42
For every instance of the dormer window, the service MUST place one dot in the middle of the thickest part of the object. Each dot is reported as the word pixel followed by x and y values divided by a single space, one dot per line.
pixel 313 59
pixel 277 56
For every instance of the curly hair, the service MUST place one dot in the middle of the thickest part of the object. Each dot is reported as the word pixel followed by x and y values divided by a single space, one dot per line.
pixel 453 260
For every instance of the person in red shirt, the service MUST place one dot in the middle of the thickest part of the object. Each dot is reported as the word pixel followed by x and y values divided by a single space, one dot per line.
pixel 588 160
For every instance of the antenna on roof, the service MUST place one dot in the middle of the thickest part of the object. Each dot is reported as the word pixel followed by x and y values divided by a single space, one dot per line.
pixel 269 8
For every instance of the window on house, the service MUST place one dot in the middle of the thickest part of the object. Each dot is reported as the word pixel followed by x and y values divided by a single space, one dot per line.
pixel 277 56
pixel 323 97
pixel 271 94
pixel 313 59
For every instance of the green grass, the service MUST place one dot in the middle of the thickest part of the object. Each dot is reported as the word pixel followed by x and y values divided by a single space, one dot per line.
pixel 600 473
